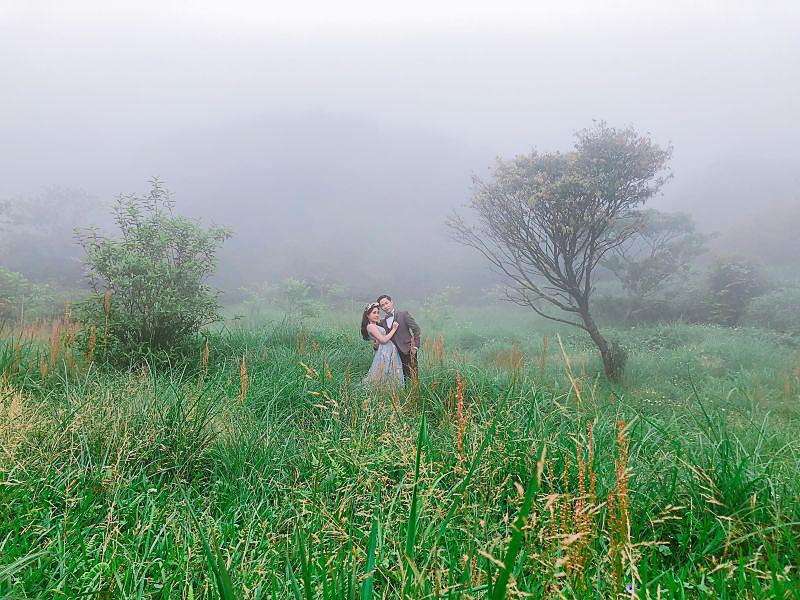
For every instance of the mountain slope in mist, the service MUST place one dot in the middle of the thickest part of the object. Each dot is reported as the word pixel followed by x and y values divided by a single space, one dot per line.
pixel 323 197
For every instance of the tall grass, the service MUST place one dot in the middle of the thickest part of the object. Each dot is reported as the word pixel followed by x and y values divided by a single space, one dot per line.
pixel 277 475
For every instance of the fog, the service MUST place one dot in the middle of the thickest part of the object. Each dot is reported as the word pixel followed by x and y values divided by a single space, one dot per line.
pixel 335 141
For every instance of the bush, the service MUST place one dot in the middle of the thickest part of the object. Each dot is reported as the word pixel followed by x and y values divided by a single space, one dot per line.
pixel 291 296
pixel 150 290
pixel 733 282
pixel 687 302
pixel 13 289
pixel 20 299
pixel 777 310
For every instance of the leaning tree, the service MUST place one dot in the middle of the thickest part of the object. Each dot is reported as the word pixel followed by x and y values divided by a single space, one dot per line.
pixel 546 221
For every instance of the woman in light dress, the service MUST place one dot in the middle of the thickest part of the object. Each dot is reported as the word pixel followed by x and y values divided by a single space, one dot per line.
pixel 386 369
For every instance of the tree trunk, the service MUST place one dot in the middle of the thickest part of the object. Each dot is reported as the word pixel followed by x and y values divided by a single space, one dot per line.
pixel 611 364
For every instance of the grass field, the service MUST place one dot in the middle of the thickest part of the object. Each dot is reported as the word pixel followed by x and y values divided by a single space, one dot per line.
pixel 510 470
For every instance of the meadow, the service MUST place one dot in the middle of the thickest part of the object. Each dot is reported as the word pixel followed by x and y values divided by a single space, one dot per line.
pixel 261 467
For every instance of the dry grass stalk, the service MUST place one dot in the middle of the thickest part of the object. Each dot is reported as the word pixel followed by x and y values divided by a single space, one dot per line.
pixel 71 334
pixel 43 367
pixel 583 516
pixel 17 418
pixel 311 372
pixel 243 376
pixel 543 358
pixel 461 417
pixel 70 362
pixel 204 358
pixel 92 343
pixel 17 357
pixel 619 519
pixel 516 356
pixel 510 360
pixel 395 399
pixel 55 343
pixel 592 474
pixel 302 341
pixel 434 350
pixel 575 386
pixel 106 312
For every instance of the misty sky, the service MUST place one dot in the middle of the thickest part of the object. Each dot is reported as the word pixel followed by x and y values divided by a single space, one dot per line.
pixel 82 80
pixel 100 96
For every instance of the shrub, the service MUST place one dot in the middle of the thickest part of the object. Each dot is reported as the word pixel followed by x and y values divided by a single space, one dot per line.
pixel 291 296
pixel 733 282
pixel 13 288
pixel 776 310
pixel 687 301
pixel 22 300
pixel 439 307
pixel 150 290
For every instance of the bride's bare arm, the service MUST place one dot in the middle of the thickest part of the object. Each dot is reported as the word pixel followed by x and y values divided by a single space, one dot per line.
pixel 376 333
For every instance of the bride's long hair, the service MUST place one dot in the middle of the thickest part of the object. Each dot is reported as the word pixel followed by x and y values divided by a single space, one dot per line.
pixel 365 319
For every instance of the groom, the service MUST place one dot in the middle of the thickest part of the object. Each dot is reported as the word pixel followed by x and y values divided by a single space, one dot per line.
pixel 408 336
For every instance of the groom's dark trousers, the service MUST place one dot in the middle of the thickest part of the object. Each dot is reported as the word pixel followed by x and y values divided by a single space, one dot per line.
pixel 408 334
pixel 409 364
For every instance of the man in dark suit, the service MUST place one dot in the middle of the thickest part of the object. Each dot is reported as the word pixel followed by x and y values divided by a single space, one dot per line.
pixel 408 336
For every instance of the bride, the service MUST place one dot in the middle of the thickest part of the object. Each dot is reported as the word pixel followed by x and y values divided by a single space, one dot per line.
pixel 386 366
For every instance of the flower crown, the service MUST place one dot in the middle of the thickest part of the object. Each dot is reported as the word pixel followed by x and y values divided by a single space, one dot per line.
pixel 370 306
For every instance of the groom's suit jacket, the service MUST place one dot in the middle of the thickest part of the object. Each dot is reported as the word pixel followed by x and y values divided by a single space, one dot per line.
pixel 406 327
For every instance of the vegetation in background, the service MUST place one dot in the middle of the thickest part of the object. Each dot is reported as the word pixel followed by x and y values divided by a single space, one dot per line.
pixel 733 282
pixel 547 221
pixel 663 248
pixel 37 234
pixel 150 291
pixel 511 469
pixel 23 301
pixel 778 310
pixel 292 297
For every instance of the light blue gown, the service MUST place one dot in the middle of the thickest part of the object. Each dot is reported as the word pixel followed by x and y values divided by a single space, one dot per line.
pixel 386 369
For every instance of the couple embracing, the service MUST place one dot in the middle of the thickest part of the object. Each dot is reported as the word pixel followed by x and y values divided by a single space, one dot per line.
pixel 395 337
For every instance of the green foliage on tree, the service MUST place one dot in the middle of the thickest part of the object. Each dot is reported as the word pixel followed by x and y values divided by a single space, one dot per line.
pixel 733 282
pixel 13 289
pixel 291 296
pixel 663 247
pixel 157 275
pixel 37 234
pixel 546 221
pixel 662 250
pixel 439 307
pixel 23 301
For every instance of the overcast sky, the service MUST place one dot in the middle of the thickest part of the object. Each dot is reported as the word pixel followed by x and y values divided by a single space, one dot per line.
pixel 82 80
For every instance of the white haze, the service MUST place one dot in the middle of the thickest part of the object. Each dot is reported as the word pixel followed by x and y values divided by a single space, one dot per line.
pixel 313 128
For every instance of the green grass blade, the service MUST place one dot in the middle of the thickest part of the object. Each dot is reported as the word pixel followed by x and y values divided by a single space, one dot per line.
pixel 413 516
pixel 367 585
pixel 221 575
pixel 19 564
pixel 462 486
pixel 515 544
pixel 298 595
pixel 305 567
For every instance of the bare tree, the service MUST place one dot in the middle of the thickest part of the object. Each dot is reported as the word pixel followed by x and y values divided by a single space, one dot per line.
pixel 545 221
